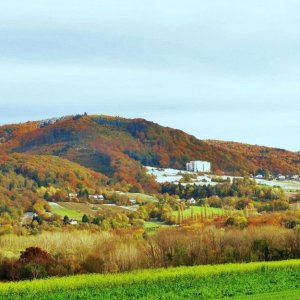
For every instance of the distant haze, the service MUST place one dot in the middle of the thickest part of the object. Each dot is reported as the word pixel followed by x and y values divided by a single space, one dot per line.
pixel 227 70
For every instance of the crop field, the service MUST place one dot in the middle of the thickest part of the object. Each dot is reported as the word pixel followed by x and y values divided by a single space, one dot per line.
pixel 272 280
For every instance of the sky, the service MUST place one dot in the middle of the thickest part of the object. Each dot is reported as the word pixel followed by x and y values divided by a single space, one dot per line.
pixel 217 69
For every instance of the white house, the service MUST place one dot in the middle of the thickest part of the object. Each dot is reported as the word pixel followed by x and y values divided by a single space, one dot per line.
pixel 72 195
pixel 281 177
pixel 73 222
pixel 132 201
pixel 97 197
pixel 191 201
pixel 198 166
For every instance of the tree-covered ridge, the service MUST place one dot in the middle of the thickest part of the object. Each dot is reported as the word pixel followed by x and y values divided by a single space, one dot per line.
pixel 275 160
pixel 118 147
pixel 25 179
pixel 47 170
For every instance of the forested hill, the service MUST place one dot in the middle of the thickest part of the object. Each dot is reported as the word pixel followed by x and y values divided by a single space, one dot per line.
pixel 27 180
pixel 118 147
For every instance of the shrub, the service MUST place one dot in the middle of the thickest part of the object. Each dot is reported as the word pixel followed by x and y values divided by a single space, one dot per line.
pixel 9 270
pixel 85 219
pixel 33 271
pixel 35 255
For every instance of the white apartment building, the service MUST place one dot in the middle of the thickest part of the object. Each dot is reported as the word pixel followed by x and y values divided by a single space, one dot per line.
pixel 198 166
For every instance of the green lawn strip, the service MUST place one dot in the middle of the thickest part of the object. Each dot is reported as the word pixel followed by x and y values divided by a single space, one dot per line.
pixel 143 197
pixel 63 211
pixel 201 282
pixel 200 210
pixel 150 224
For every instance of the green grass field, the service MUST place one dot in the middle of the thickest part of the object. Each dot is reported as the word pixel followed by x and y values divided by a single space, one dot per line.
pixel 138 196
pixel 64 211
pixel 273 280
pixel 285 295
pixel 156 224
pixel 145 198
pixel 76 210
pixel 200 210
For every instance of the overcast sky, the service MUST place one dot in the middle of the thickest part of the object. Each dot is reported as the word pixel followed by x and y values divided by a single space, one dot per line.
pixel 218 69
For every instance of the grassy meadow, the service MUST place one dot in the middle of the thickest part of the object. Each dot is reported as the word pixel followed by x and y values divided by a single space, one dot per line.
pixel 154 224
pixel 141 197
pixel 276 280
pixel 64 211
pixel 198 211
pixel 75 210
pixel 68 243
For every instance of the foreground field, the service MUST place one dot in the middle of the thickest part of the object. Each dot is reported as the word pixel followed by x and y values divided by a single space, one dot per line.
pixel 285 295
pixel 276 280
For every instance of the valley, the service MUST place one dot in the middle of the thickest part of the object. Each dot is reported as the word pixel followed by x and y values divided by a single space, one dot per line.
pixel 106 195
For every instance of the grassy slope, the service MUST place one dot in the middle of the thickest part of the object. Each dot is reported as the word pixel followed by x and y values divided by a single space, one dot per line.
pixel 77 210
pixel 143 197
pixel 153 224
pixel 63 211
pixel 137 196
pixel 279 280
pixel 198 210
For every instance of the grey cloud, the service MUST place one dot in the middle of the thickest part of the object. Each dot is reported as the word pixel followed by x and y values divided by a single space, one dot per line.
pixel 218 69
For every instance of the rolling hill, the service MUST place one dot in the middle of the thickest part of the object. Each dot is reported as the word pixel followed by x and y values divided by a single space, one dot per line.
pixel 26 178
pixel 118 147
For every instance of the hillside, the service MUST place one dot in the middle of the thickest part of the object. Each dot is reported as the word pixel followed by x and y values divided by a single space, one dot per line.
pixel 26 178
pixel 275 160
pixel 47 170
pixel 118 148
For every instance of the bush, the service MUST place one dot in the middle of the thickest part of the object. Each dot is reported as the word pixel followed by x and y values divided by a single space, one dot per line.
pixel 237 221
pixel 85 219
pixel 9 270
pixel 33 271
pixel 35 255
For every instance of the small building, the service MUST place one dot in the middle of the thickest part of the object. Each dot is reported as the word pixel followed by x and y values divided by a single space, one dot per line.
pixel 281 177
pixel 97 197
pixel 295 177
pixel 73 222
pixel 259 176
pixel 132 201
pixel 72 195
pixel 198 166
pixel 191 201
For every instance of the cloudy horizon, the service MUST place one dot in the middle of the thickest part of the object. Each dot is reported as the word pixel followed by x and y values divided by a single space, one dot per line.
pixel 215 69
